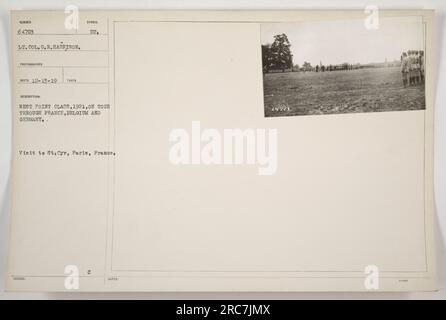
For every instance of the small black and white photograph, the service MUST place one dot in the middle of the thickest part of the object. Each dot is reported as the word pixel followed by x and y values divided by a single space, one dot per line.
pixel 343 66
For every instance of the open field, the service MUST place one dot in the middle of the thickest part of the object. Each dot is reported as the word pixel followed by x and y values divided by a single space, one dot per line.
pixel 362 90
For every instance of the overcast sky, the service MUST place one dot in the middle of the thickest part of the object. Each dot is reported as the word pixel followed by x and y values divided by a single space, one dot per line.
pixel 334 42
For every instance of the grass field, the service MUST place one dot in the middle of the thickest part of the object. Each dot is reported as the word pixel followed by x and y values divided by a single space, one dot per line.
pixel 363 90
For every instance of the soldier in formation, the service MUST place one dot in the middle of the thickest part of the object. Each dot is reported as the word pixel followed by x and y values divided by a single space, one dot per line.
pixel 412 67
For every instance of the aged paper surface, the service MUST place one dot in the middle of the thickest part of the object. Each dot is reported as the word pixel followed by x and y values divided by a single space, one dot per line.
pixel 105 198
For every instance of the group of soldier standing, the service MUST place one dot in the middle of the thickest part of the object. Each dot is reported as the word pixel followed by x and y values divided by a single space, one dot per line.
pixel 412 67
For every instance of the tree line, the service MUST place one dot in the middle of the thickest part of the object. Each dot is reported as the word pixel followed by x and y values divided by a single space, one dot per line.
pixel 278 57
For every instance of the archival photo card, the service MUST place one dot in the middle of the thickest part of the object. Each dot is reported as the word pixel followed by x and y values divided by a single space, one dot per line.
pixel 158 171
pixel 343 66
